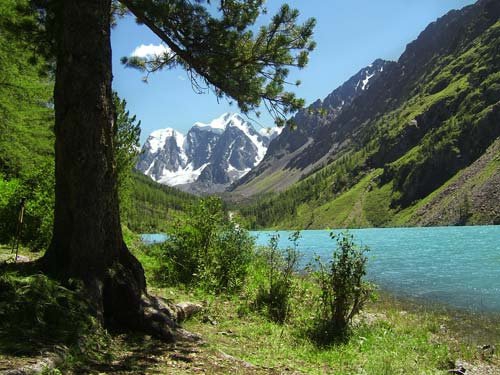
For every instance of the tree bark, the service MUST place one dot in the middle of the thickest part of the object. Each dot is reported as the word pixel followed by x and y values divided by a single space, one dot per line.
pixel 87 241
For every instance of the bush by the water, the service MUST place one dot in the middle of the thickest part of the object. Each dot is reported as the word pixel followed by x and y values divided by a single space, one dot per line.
pixel 343 290
pixel 276 288
pixel 206 249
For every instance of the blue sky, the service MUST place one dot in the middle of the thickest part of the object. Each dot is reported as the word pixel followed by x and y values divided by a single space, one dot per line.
pixel 350 34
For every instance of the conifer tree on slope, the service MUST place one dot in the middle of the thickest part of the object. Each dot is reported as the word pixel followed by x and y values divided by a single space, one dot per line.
pixel 215 44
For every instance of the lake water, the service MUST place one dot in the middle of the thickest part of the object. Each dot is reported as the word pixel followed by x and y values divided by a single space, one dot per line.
pixel 458 266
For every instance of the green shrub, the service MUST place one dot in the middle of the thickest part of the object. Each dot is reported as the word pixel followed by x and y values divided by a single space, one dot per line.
pixel 277 288
pixel 37 186
pixel 343 291
pixel 206 249
pixel 36 312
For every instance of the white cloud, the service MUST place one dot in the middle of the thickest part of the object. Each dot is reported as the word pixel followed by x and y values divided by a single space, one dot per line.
pixel 150 51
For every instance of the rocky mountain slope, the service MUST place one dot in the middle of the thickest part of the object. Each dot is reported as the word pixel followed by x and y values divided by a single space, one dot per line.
pixel 415 129
pixel 207 159
pixel 284 153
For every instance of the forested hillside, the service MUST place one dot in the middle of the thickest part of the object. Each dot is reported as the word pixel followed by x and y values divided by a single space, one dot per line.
pixel 26 134
pixel 154 205
pixel 426 126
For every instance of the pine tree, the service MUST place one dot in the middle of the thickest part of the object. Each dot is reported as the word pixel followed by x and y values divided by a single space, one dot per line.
pixel 220 52
pixel 127 132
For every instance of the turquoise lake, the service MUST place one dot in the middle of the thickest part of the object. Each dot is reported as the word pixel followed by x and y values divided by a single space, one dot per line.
pixel 457 266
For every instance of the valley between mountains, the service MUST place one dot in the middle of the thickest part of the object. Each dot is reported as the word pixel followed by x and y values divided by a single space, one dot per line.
pixel 407 142
pixel 122 258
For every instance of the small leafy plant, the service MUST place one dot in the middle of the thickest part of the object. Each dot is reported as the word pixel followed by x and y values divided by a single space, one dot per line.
pixel 343 292
pixel 281 265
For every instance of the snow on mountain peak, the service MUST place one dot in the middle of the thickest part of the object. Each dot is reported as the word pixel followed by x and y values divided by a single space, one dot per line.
pixel 158 138
pixel 163 133
pixel 218 125
pixel 366 80
pixel 222 150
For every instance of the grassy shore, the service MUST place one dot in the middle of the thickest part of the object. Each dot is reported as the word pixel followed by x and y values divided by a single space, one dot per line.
pixel 391 336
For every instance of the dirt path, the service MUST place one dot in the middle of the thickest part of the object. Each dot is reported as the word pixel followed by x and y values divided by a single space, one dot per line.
pixel 145 355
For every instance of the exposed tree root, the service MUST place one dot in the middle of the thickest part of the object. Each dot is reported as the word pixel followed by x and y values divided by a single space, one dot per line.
pixel 161 318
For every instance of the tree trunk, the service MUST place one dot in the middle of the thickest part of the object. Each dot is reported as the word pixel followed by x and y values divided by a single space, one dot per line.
pixel 87 241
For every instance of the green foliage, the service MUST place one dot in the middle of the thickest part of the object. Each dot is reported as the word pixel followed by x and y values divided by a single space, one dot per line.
pixel 35 181
pixel 47 371
pixel 126 143
pixel 206 249
pixel 343 290
pixel 220 51
pixel 318 188
pixel 390 336
pixel 37 312
pixel 153 206
pixel 280 266
pixel 25 99
pixel 37 315
pixel 26 138
pixel 37 186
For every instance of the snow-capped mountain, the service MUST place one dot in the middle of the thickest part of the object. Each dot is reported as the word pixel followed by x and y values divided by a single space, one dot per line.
pixel 209 158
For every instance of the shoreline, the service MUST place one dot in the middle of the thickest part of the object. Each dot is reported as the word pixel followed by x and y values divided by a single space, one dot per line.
pixel 477 327
pixel 367 227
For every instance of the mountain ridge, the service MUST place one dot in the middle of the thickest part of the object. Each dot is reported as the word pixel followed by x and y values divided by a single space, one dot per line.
pixel 424 119
pixel 285 148
pixel 208 158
